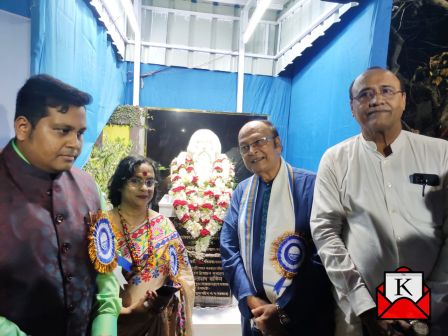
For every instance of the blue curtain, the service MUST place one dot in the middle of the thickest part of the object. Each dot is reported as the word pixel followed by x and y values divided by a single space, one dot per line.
pixel 270 96
pixel 68 43
pixel 19 7
pixel 320 114
pixel 175 87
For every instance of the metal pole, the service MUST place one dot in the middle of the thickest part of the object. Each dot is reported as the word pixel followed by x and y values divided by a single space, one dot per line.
pixel 137 48
pixel 241 58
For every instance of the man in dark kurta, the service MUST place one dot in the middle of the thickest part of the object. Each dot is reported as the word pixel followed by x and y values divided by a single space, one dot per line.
pixel 268 256
pixel 48 283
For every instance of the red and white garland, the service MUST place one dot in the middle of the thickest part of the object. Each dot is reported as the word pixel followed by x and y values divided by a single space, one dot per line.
pixel 199 205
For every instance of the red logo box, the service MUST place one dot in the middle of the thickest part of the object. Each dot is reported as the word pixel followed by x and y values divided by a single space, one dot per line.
pixel 403 308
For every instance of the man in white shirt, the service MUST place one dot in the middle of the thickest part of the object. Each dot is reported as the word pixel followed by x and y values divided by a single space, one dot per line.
pixel 371 216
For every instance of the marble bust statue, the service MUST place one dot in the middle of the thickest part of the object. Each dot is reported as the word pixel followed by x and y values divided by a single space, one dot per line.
pixel 204 148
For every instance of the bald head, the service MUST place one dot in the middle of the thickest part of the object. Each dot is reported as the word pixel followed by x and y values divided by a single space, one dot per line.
pixel 255 124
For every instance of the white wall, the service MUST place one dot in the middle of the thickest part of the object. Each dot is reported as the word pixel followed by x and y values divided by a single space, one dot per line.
pixel 15 35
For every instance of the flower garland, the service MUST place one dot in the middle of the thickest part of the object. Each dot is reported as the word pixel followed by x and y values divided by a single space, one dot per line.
pixel 199 205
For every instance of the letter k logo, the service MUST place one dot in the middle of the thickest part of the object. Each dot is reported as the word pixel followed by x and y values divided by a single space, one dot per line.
pixel 401 284
pixel 403 295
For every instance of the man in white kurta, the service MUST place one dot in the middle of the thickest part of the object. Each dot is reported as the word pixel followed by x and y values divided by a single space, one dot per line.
pixel 368 218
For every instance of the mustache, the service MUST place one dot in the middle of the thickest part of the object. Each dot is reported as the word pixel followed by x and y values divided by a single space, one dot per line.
pixel 74 153
pixel 376 110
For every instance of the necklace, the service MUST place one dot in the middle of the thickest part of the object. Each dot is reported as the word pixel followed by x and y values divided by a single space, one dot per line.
pixel 137 264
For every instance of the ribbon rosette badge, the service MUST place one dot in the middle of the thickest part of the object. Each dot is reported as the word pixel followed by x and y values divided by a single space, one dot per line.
pixel 287 254
pixel 102 243
pixel 174 262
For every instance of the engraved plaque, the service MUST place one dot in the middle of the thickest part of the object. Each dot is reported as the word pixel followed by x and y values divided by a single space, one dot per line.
pixel 212 289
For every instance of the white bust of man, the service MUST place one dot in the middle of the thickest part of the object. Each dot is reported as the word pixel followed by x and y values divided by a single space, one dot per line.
pixel 204 148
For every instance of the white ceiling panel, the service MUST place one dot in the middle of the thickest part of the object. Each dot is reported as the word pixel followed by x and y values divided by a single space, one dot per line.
pixel 205 33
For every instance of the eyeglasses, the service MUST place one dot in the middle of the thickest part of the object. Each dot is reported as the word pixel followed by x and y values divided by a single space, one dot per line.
pixel 368 94
pixel 244 149
pixel 138 182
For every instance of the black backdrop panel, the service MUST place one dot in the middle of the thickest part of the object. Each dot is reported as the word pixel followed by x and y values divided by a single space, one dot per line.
pixel 170 130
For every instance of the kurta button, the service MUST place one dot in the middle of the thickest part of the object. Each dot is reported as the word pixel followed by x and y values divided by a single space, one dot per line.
pixel 66 247
pixel 70 308
pixel 59 219
pixel 68 277
pixel 49 192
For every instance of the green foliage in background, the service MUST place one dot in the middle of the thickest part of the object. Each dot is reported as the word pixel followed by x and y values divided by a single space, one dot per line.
pixel 104 160
pixel 128 115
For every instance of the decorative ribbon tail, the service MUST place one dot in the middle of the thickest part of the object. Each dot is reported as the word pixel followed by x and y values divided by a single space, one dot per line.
pixel 122 262
pixel 278 286
pixel 119 276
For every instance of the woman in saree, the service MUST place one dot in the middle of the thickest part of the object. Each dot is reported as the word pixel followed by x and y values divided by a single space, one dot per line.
pixel 152 256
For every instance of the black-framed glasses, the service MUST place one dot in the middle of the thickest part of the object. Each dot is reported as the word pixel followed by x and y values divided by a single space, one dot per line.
pixel 244 149
pixel 138 182
pixel 367 95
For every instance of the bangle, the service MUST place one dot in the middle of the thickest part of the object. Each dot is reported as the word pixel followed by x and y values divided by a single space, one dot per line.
pixel 284 319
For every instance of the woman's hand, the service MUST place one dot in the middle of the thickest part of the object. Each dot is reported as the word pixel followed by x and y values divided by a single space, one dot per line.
pixel 151 302
pixel 141 306
pixel 158 303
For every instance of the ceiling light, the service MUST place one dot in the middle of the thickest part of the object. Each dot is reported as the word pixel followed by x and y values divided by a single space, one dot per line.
pixel 258 13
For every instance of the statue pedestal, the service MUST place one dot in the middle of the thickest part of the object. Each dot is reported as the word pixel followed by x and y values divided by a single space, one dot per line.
pixel 212 289
pixel 166 206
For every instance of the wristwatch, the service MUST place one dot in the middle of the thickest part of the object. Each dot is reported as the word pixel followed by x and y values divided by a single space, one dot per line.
pixel 284 319
pixel 420 327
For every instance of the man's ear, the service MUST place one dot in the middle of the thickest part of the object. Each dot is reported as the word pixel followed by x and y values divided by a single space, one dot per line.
pixel 403 102
pixel 278 144
pixel 23 128
pixel 351 107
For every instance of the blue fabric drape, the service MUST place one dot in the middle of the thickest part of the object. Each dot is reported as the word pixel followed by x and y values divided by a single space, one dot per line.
pixel 68 43
pixel 175 87
pixel 271 97
pixel 320 113
pixel 19 7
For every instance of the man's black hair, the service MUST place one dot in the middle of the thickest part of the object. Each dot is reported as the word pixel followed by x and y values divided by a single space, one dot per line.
pixel 402 88
pixel 42 91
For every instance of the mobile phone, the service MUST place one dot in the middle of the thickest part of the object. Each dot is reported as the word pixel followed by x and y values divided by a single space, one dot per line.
pixel 166 290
